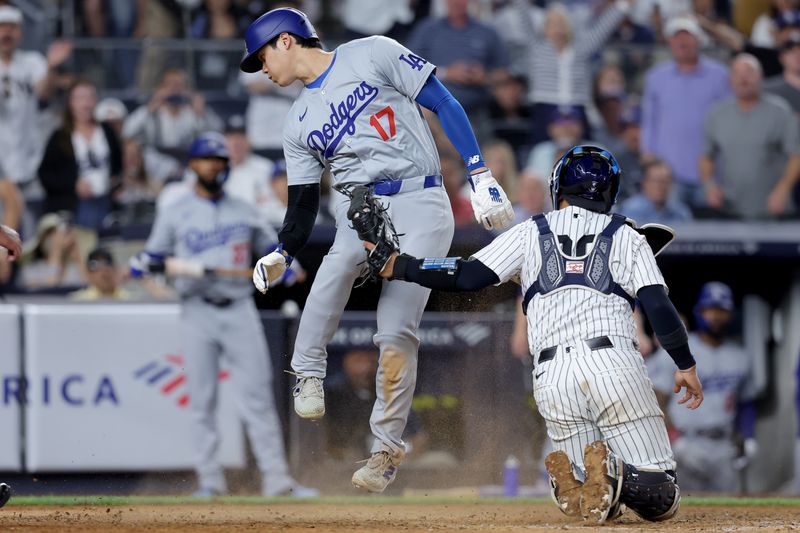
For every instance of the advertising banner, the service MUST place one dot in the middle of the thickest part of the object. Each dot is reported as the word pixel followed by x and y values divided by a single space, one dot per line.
pixel 104 390
pixel 10 414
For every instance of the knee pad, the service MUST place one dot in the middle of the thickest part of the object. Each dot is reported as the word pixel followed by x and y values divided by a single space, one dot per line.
pixel 651 494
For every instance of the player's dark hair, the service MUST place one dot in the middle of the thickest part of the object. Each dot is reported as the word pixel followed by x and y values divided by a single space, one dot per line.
pixel 311 42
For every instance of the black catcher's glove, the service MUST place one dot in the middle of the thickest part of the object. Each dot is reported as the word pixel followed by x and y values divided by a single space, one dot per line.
pixel 372 223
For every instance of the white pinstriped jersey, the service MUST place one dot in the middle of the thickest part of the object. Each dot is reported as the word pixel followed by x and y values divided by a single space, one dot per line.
pixel 574 312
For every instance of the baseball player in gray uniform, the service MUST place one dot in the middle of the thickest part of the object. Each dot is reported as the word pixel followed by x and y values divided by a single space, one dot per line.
pixel 10 241
pixel 580 270
pixel 202 233
pixel 705 446
pixel 359 114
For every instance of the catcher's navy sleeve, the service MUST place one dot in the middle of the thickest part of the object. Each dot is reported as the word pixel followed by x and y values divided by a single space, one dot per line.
pixel 303 205
pixel 667 324
pixel 452 274
pixel 437 98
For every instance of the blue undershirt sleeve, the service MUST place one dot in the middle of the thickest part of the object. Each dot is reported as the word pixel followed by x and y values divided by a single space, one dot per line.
pixel 437 98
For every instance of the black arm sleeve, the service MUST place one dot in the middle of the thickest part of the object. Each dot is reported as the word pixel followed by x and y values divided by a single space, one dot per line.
pixel 667 324
pixel 301 214
pixel 452 274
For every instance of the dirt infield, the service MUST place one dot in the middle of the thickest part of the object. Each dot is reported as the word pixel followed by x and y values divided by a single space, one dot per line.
pixel 360 517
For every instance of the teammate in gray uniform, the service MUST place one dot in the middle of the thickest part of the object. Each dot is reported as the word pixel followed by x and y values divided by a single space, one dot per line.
pixel 214 231
pixel 705 447
pixel 359 115
pixel 9 239
pixel 580 270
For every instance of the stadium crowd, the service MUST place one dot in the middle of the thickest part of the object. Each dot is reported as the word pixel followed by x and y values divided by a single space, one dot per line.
pixel 691 96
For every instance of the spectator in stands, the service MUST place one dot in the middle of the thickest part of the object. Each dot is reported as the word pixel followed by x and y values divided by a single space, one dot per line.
pixel 103 278
pixel 510 114
pixel 11 206
pixel 113 112
pixel 629 155
pixel 251 175
pixel 533 196
pixel 82 161
pixel 787 85
pixel 469 55
pixel 609 97
pixel 26 80
pixel 138 192
pixel 500 158
pixel 559 60
pixel 453 178
pixel 392 18
pixel 349 397
pixel 267 110
pixel 280 187
pixel 654 203
pixel 565 130
pixel 677 96
pixel 774 28
pixel 751 143
pixel 52 259
pixel 514 32
pixel 174 116
pixel 217 19
pixel 156 19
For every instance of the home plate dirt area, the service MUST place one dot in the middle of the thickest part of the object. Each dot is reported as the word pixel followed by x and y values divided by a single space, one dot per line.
pixel 372 514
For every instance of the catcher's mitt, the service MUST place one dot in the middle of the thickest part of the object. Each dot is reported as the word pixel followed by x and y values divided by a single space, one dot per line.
pixel 373 224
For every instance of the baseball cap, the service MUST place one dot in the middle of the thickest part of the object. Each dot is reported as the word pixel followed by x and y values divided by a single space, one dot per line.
pixel 565 113
pixel 631 116
pixel 98 258
pixel 10 15
pixel 687 24
pixel 791 42
pixel 110 109
pixel 235 124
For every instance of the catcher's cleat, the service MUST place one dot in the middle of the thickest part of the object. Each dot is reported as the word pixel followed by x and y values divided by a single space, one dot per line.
pixel 601 490
pixel 565 488
pixel 309 398
pixel 5 493
pixel 376 475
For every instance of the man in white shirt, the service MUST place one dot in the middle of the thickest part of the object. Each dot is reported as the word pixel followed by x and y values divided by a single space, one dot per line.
pixel 26 78
pixel 251 175
pixel 173 117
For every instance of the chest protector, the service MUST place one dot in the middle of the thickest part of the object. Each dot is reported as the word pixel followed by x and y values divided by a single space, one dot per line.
pixel 592 271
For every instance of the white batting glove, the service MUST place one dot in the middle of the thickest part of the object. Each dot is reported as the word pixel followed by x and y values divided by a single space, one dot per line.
pixel 269 269
pixel 489 202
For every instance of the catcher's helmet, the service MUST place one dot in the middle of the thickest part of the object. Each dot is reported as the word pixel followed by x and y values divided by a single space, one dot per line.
pixel 209 144
pixel 587 176
pixel 267 27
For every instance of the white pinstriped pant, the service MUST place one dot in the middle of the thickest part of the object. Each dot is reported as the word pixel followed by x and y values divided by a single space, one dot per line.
pixel 586 395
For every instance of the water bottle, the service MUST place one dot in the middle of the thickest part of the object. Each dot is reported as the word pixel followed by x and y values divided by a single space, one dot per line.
pixel 511 477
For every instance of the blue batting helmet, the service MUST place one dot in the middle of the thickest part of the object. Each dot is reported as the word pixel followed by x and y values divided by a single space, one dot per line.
pixel 267 27
pixel 713 294
pixel 209 144
pixel 587 176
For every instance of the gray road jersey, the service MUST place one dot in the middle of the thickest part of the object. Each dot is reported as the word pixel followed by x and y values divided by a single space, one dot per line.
pixel 725 375
pixel 221 234
pixel 362 120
